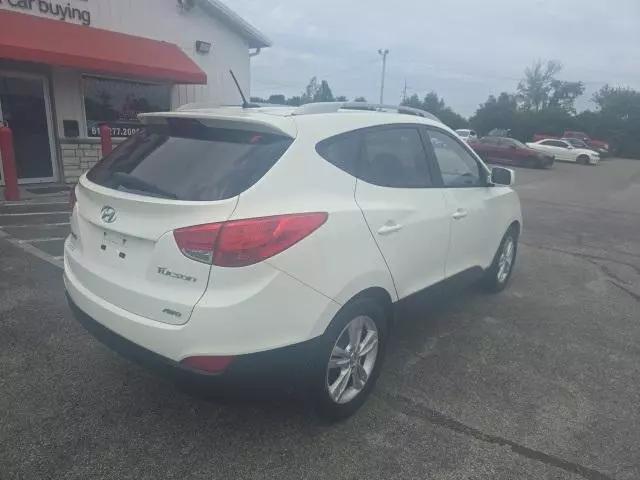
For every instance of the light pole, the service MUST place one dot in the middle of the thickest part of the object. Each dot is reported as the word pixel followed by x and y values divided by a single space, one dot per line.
pixel 384 54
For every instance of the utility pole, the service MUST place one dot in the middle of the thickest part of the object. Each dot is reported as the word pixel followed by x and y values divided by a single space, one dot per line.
pixel 404 91
pixel 384 54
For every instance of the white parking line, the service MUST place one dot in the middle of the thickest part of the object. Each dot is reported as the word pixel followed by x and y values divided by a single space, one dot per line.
pixel 34 213
pixel 39 240
pixel 27 247
pixel 12 204
pixel 62 224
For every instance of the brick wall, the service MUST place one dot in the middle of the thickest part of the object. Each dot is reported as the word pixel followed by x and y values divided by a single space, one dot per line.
pixel 78 156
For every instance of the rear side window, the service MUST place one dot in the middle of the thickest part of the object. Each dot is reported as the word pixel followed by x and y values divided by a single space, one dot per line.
pixel 342 151
pixel 186 160
pixel 394 157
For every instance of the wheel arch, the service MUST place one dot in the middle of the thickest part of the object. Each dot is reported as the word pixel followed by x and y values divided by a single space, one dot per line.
pixel 515 225
pixel 379 294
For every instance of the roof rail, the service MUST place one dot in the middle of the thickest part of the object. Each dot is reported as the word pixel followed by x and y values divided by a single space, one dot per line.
pixel 213 105
pixel 331 107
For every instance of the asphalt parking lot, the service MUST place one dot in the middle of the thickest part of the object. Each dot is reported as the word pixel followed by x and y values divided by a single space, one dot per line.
pixel 539 382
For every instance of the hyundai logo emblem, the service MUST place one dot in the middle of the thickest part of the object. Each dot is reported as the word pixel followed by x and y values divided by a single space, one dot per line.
pixel 108 214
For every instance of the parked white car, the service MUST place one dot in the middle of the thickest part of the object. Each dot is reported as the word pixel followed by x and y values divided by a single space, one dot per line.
pixel 566 152
pixel 467 135
pixel 217 240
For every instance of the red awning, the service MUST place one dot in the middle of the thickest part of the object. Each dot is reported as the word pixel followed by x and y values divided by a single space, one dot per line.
pixel 53 42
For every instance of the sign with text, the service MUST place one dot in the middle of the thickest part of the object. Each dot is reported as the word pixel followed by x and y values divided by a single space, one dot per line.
pixel 60 10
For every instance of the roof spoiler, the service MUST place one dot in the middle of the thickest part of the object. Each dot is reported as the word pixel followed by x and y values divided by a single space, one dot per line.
pixel 256 122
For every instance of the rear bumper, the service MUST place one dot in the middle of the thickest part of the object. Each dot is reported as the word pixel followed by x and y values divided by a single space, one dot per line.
pixel 227 321
pixel 286 363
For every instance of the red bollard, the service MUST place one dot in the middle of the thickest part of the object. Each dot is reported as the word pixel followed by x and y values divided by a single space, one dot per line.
pixel 11 191
pixel 105 139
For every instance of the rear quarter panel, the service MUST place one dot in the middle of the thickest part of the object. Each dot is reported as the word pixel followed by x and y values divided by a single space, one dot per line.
pixel 341 258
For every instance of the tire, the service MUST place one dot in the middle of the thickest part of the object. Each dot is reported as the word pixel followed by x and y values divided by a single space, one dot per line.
pixel 583 160
pixel 496 277
pixel 531 163
pixel 335 346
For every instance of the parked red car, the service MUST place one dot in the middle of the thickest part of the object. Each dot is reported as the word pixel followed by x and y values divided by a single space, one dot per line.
pixel 511 152
pixel 598 145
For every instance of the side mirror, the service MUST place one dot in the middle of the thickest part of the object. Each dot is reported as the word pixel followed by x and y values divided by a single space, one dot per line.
pixel 502 176
pixel 513 147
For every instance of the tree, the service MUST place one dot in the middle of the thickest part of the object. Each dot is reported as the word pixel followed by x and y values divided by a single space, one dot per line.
pixel 310 91
pixel 564 95
pixel 413 101
pixel 535 88
pixel 436 105
pixel 277 99
pixel 294 101
pixel 323 93
pixel 433 104
pixel 317 92
pixel 617 119
pixel 495 113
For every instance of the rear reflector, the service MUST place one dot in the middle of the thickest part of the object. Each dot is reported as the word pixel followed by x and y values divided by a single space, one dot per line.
pixel 72 197
pixel 240 243
pixel 207 364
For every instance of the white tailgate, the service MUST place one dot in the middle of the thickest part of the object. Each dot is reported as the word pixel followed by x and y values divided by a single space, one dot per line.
pixel 134 262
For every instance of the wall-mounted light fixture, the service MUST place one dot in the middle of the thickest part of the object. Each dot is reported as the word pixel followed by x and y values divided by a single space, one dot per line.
pixel 203 47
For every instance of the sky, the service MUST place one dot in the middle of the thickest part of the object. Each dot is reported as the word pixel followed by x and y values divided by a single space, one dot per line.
pixel 464 50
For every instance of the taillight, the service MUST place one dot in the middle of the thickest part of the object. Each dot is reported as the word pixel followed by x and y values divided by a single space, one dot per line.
pixel 72 198
pixel 197 242
pixel 207 364
pixel 239 243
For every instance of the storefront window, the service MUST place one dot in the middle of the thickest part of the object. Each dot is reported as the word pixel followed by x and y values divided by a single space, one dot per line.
pixel 117 103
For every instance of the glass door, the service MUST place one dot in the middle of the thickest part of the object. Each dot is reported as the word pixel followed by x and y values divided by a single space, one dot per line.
pixel 26 109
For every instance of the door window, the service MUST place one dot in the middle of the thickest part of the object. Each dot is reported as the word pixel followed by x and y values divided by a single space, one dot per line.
pixel 394 157
pixel 555 143
pixel 342 151
pixel 457 165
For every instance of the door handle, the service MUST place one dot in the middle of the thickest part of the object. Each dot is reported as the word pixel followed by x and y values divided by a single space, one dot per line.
pixel 460 214
pixel 389 228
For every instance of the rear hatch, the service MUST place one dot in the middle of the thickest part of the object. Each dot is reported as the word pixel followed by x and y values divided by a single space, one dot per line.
pixel 175 173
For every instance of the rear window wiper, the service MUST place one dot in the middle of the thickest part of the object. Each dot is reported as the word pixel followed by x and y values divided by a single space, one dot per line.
pixel 131 181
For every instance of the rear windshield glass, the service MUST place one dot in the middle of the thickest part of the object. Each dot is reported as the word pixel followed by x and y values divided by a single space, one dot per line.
pixel 186 160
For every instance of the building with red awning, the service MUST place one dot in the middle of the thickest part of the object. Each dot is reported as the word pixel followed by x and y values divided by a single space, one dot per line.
pixel 67 67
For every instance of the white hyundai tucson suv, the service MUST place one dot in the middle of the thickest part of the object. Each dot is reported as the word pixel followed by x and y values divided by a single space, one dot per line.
pixel 217 240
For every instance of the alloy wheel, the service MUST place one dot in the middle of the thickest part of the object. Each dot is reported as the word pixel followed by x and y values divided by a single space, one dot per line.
pixel 352 359
pixel 505 262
